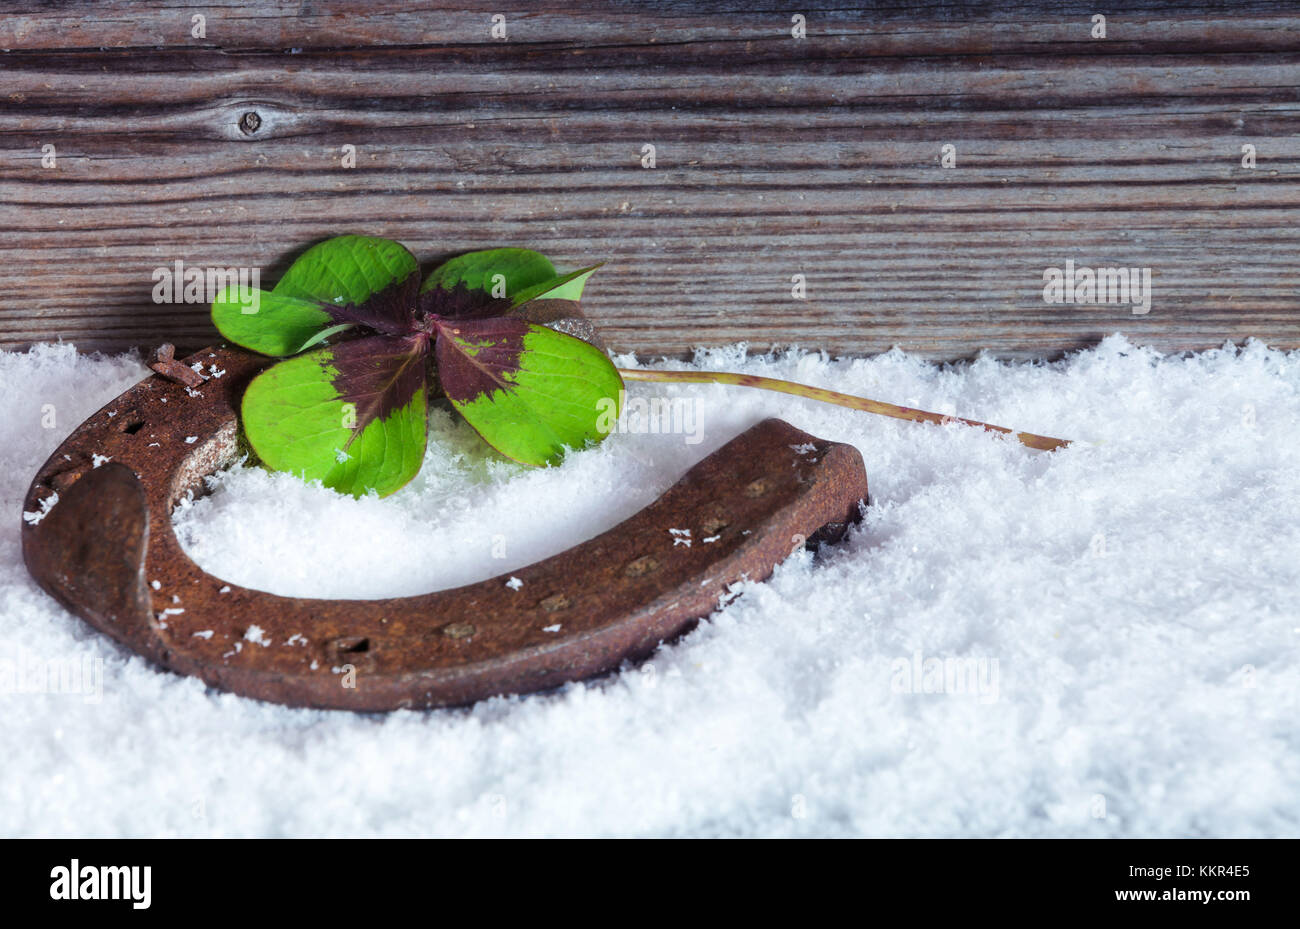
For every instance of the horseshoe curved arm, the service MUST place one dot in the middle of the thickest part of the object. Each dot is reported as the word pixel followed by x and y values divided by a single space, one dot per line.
pixel 98 536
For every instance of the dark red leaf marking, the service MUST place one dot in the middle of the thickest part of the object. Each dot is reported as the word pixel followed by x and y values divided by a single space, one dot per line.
pixel 460 302
pixel 487 361
pixel 390 311
pixel 378 373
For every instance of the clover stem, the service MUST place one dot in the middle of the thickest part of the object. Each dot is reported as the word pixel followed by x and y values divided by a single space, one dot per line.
pixel 1042 442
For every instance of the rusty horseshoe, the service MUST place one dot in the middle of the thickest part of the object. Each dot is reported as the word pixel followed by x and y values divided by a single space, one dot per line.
pixel 98 536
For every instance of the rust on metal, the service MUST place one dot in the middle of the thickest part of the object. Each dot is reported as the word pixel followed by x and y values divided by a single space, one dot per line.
pixel 165 363
pixel 99 538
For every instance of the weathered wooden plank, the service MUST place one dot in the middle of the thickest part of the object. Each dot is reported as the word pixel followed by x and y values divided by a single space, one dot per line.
pixel 774 157
pixel 897 28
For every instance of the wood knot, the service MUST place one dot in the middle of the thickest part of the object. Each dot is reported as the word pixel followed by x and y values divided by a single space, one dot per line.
pixel 250 122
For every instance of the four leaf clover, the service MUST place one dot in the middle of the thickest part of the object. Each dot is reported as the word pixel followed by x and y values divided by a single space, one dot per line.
pixel 368 339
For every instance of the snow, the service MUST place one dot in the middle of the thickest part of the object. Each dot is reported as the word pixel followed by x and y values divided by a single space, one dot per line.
pixel 46 504
pixel 1100 641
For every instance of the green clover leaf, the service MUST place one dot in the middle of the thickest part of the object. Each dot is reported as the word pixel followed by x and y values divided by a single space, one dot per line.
pixel 349 408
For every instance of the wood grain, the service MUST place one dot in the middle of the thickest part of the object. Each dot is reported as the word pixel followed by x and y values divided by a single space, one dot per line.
pixel 774 157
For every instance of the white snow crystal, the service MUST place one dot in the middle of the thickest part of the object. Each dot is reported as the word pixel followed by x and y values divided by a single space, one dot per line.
pixel 46 504
pixel 191 439
pixel 514 583
pixel 257 635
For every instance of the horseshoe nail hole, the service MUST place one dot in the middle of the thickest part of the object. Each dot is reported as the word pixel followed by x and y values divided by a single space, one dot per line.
pixel 459 630
pixel 642 566
pixel 712 526
pixel 555 603
pixel 133 426
pixel 250 122
pixel 351 645
pixel 65 479
pixel 758 488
